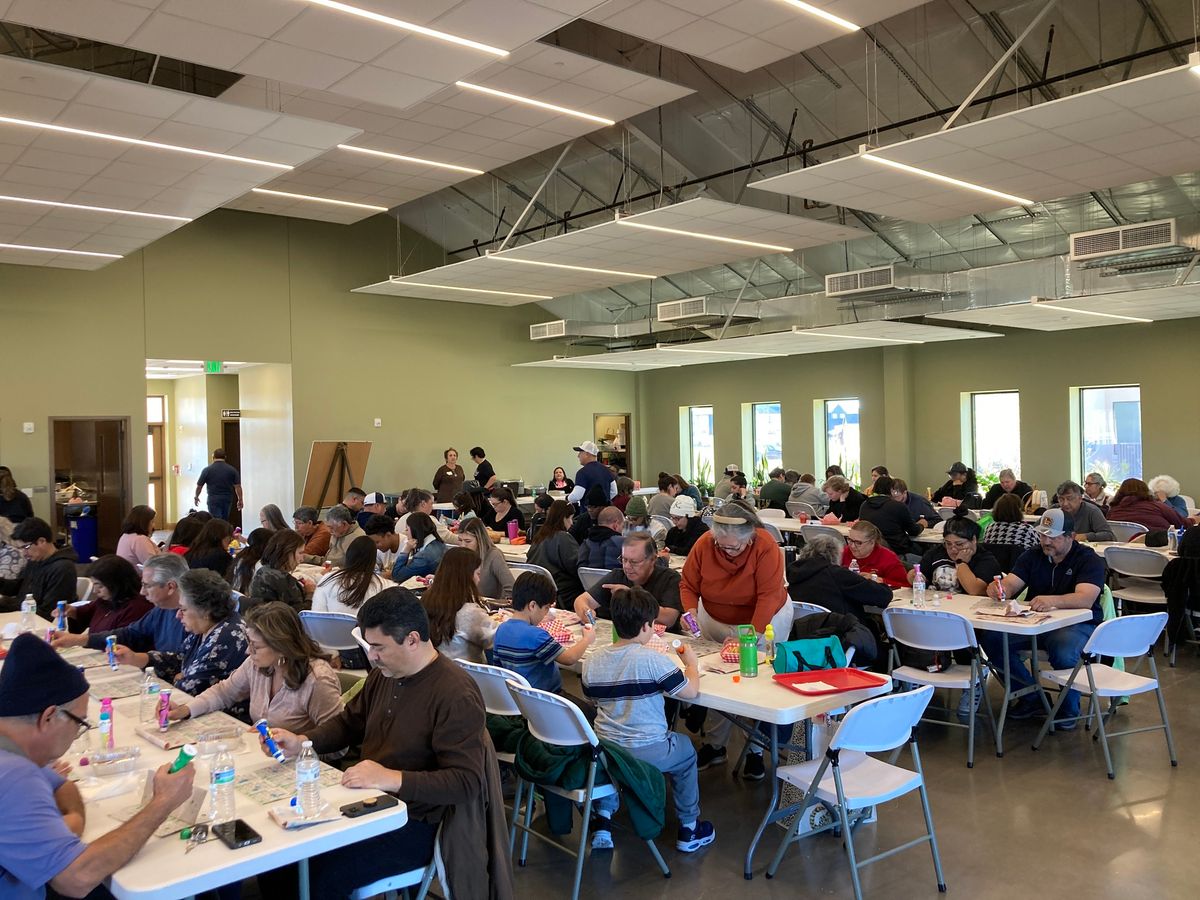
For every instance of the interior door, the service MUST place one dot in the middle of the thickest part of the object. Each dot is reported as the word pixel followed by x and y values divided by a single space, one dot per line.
pixel 94 454
pixel 231 441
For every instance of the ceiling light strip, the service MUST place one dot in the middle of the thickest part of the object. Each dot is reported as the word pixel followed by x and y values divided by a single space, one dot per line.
pixel 822 14
pixel 749 354
pixel 156 145
pixel 409 26
pixel 853 337
pixel 774 248
pixel 529 101
pixel 99 209
pixel 59 250
pixel 946 179
pixel 538 262
pixel 1090 312
pixel 312 199
pixel 411 159
pixel 466 290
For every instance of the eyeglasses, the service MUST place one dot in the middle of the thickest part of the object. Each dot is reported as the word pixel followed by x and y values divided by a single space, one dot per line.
pixel 24 546
pixel 855 543
pixel 734 550
pixel 84 725
pixel 956 545
pixel 626 561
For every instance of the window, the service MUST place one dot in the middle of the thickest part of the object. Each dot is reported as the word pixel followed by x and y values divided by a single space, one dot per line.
pixel 842 437
pixel 156 416
pixel 700 442
pixel 1110 432
pixel 766 438
pixel 996 432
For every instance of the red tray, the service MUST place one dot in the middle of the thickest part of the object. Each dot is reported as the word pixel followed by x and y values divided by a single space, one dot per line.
pixel 840 679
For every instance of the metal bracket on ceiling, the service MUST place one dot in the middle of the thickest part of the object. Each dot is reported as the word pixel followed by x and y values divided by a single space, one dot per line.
pixel 533 199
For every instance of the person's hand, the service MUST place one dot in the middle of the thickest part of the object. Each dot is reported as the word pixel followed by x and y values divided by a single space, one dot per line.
pixel 178 711
pixel 964 555
pixel 993 589
pixel 173 788
pixel 61 767
pixel 582 608
pixel 922 522
pixel 830 519
pixel 948 503
pixel 615 587
pixel 589 635
pixel 289 743
pixel 664 553
pixel 127 657
pixel 688 655
pixel 239 504
pixel 62 640
pixel 1042 604
pixel 370 774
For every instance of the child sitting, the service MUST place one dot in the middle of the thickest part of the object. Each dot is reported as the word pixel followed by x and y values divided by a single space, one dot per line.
pixel 627 681
pixel 524 648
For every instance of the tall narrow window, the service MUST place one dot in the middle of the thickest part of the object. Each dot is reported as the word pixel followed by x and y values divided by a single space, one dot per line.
pixel 842 437
pixel 766 428
pixel 156 417
pixel 1110 432
pixel 700 433
pixel 996 431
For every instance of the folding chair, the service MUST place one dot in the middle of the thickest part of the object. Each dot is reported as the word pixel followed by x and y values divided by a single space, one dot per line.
pixel 860 782
pixel 333 631
pixel 553 720
pixel 591 578
pixel 795 507
pixel 83 590
pixel 1124 637
pixel 1139 580
pixel 664 521
pixel 940 631
pixel 419 878
pixel 947 512
pixel 773 531
pixel 532 567
pixel 804 608
pixel 808 532
pixel 772 514
pixel 1124 532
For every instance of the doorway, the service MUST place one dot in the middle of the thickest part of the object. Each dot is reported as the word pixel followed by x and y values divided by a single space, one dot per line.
pixel 231 442
pixel 90 459
pixel 611 431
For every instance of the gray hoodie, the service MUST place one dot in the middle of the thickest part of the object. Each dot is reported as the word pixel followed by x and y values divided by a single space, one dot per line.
pixel 810 494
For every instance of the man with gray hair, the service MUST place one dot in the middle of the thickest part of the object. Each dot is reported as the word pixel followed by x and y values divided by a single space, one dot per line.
pixel 639 568
pixel 1006 483
pixel 1090 524
pixel 307 520
pixel 343 529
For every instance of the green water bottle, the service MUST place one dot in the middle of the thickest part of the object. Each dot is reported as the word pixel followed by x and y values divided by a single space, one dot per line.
pixel 748 651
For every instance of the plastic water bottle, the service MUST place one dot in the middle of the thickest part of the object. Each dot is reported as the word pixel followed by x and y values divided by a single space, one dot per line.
pixel 107 741
pixel 222 807
pixel 148 704
pixel 769 643
pixel 918 587
pixel 853 567
pixel 1172 540
pixel 308 782
pixel 28 613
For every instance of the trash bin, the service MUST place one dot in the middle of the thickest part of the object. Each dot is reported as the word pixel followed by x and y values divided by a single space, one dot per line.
pixel 84 530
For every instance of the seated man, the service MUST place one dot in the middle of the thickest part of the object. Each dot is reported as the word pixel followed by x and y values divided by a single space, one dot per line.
pixel 844 500
pixel 1090 524
pixel 43 710
pixel 722 488
pixel 382 531
pixel 343 529
pixel 638 569
pixel 49 573
pixel 374 504
pixel 316 534
pixel 354 499
pixel 602 547
pixel 805 490
pixel 419 721
pixel 891 517
pixel 1060 574
pixel 776 491
pixel 919 508
pixel 739 488
pixel 594 503
pixel 1007 483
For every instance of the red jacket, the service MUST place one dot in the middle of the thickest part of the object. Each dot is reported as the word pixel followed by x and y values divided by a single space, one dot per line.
pixel 883 562
pixel 1154 515
pixel 748 589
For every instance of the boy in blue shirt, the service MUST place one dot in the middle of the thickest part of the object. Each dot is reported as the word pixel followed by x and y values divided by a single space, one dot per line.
pixel 523 647
pixel 627 681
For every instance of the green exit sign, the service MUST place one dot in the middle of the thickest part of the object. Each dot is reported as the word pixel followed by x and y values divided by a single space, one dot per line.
pixel 212 367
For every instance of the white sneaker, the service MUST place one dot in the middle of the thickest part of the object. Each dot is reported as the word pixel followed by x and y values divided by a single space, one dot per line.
pixel 601 833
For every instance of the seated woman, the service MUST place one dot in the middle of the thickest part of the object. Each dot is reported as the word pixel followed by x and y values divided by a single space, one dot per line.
pixel 460 627
pixel 560 482
pixel 423 550
pixel 135 544
pixel 246 563
pixel 556 551
pixel 186 530
pixel 625 488
pixel 500 509
pixel 1166 490
pixel 637 518
pixel 688 489
pixel 210 549
pixel 541 508
pixel 961 487
pixel 1008 524
pixel 1133 502
pixel 346 589
pixel 495 577
pixel 214 643
pixel 285 678
pixel 870 490
pixel 688 526
pixel 865 544
pixel 271 518
pixel 274 579
pixel 817 576
pixel 957 564
pixel 116 597
pixel 1006 483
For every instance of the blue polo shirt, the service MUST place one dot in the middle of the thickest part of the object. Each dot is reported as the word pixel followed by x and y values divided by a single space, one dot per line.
pixel 1041 575
pixel 35 844
pixel 159 629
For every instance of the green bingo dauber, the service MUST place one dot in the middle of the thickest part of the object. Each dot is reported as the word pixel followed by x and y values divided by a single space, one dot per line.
pixel 186 754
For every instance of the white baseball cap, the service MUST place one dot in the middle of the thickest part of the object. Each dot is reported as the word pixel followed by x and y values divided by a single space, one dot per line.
pixel 683 505
pixel 374 497
pixel 588 447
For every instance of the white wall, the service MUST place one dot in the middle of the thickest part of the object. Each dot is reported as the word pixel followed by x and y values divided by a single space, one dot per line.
pixel 191 438
pixel 265 398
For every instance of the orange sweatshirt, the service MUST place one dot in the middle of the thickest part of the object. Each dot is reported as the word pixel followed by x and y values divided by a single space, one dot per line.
pixel 747 589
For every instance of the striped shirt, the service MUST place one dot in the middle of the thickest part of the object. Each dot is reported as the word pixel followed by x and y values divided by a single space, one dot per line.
pixel 529 651
pixel 627 683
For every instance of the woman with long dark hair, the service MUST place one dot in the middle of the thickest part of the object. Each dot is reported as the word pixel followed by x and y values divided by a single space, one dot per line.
pixel 245 564
pixel 274 579
pixel 135 544
pixel 186 531
pixel 460 627
pixel 210 549
pixel 424 551
pixel 14 503
pixel 556 551
pixel 116 598
pixel 495 577
pixel 346 589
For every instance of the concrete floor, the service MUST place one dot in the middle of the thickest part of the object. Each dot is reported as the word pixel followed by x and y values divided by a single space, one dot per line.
pixel 1048 823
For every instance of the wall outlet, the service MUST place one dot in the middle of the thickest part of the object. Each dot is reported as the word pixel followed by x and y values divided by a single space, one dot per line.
pixel 27 427
pixel 379 423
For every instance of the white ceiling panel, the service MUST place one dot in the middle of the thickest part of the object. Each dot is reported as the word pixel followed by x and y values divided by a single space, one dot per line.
pixel 624 251
pixel 741 34
pixel 41 164
pixel 310 45
pixel 1135 131
pixel 455 126
pixel 1092 311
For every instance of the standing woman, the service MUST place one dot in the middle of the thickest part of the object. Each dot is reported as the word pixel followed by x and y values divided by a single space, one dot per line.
pixel 271 518
pixel 560 482
pixel 116 597
pixel 135 544
pixel 556 551
pixel 448 480
pixel 210 549
pixel 14 503
pixel 495 577
pixel 274 579
pixel 459 625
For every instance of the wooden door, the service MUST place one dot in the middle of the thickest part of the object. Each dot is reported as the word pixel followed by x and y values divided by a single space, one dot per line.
pixel 231 442
pixel 95 453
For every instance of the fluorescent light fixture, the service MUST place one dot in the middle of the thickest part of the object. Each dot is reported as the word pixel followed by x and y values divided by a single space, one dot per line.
pixel 946 179
pixel 775 248
pixel 59 250
pixel 529 101
pixel 411 159
pixel 853 337
pixel 319 199
pixel 100 209
pixel 175 148
pixel 466 290
pixel 1089 312
pixel 683 348
pixel 408 26
pixel 538 262
pixel 822 14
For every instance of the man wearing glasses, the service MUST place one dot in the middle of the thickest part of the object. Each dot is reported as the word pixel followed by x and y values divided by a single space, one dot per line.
pixel 49 573
pixel 43 702
pixel 639 555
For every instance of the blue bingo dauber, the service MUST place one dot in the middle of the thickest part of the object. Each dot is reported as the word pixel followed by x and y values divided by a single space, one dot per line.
pixel 110 644
pixel 273 748
pixel 60 621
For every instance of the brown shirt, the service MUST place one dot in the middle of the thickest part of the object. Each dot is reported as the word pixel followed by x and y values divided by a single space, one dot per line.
pixel 429 726
pixel 317 544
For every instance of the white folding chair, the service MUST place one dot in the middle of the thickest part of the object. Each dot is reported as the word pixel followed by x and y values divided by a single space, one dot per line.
pixel 560 723
pixel 239 600
pixel 947 512
pixel 795 507
pixel 769 513
pixel 1124 532
pixel 531 567
pixel 591 578
pixel 860 782
pixel 773 531
pixel 925 629
pixel 420 878
pixel 331 630
pixel 1128 637
pixel 1139 579
pixel 356 633
pixel 83 590
pixel 804 608
pixel 664 521
pixel 808 532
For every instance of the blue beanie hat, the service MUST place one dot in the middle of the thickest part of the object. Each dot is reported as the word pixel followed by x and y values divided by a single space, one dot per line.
pixel 35 678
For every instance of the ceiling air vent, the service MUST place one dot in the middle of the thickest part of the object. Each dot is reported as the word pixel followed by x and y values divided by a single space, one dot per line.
pixel 1123 239
pixel 677 310
pixel 861 281
pixel 545 331
pixel 700 311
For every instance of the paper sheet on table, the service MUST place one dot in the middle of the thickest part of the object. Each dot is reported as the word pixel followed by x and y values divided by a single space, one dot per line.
pixel 816 687
pixel 183 817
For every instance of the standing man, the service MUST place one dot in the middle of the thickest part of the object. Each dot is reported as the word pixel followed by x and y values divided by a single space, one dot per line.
pixel 592 473
pixel 224 483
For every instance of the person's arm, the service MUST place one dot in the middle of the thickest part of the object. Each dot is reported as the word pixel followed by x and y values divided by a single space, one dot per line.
pixel 1012 587
pixel 237 490
pixel 346 729
pixel 200 482
pixel 481 628
pixel 70 803
pixel 223 650
pixel 669 609
pixel 893 573
pixel 1099 526
pixel 911 528
pixel 689 582
pixel 1083 597
pixel 585 604
pixel 325 700
pixel 861 590
pixel 970 582
pixel 576 494
pixel 223 694
pixel 770 592
pixel 437 477
pixel 571 655
pixel 691 672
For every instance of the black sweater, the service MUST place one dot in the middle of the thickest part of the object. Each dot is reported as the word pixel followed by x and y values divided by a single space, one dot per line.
pixel 681 540
pixel 1020 490
pixel 839 590
pixel 50 580
pixel 893 519
pixel 847 510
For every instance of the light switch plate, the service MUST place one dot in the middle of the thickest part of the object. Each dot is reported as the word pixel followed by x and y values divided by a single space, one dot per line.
pixel 379 423
pixel 27 427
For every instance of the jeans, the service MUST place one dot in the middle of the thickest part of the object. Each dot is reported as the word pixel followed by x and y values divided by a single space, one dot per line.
pixel 675 757
pixel 220 506
pixel 1064 647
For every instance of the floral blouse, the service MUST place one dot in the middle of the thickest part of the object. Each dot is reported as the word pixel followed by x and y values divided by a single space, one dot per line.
pixel 204 660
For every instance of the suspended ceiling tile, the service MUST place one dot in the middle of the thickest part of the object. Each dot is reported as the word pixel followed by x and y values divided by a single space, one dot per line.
pixel 625 251
pixel 1092 311
pixel 39 164
pixel 309 45
pixel 741 34
pixel 1085 142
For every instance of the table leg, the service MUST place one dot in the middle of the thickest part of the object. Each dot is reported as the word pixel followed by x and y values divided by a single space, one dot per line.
pixel 771 803
pixel 1037 680
pixel 1004 702
pixel 302 871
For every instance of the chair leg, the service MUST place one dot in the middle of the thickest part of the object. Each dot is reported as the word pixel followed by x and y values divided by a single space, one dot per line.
pixel 847 834
pixel 937 858
pixel 1162 711
pixel 1100 727
pixel 516 815
pixel 792 834
pixel 1062 697
pixel 583 830
pixel 662 865
pixel 528 824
